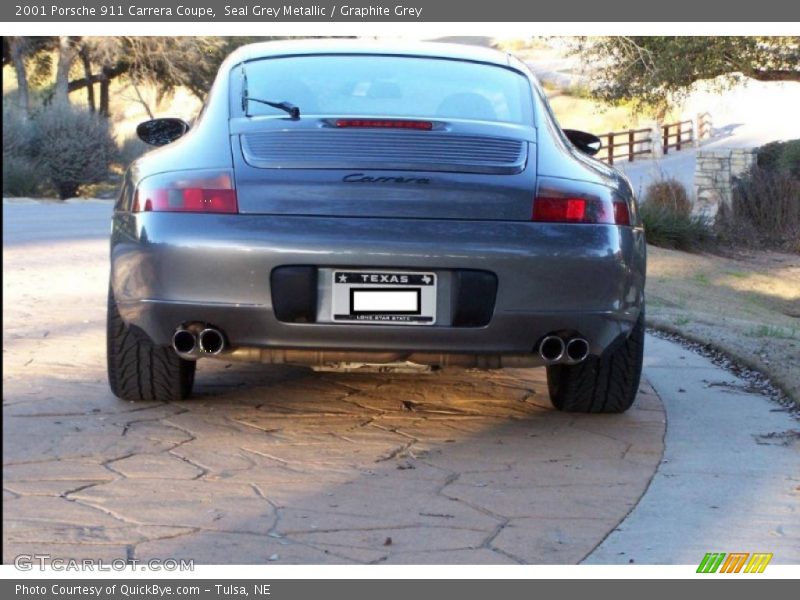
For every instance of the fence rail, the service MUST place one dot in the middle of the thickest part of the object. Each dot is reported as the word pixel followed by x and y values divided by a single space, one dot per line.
pixel 632 140
pixel 654 141
pixel 676 134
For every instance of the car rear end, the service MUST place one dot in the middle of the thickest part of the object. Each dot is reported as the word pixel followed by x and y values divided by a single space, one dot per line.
pixel 403 216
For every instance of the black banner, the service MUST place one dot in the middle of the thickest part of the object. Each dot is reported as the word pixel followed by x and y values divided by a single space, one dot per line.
pixel 397 11
pixel 385 589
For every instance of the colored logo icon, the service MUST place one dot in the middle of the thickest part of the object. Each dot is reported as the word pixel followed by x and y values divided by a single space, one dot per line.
pixel 734 562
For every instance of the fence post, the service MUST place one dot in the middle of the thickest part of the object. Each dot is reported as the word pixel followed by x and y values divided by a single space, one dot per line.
pixel 630 145
pixel 680 132
pixel 611 148
pixel 666 139
pixel 655 140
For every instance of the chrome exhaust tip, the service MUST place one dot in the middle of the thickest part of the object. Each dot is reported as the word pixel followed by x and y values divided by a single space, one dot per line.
pixel 551 348
pixel 577 350
pixel 211 341
pixel 184 343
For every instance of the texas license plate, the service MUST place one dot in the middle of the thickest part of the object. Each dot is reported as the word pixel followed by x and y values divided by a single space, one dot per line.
pixel 386 297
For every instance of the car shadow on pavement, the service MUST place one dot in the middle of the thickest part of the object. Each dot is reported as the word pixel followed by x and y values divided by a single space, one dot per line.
pixel 286 465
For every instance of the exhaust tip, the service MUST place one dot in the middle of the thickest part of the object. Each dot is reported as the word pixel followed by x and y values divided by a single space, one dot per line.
pixel 577 350
pixel 184 342
pixel 551 348
pixel 211 341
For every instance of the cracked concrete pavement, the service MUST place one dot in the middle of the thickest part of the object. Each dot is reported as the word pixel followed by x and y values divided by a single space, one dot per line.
pixel 283 464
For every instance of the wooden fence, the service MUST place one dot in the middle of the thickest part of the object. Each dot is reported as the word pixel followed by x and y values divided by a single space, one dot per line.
pixel 634 143
pixel 621 145
pixel 676 135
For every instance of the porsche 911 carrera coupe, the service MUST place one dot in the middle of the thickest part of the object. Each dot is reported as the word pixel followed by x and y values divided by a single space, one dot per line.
pixel 351 202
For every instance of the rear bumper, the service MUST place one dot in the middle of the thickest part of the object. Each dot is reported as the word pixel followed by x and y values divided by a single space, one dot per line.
pixel 168 269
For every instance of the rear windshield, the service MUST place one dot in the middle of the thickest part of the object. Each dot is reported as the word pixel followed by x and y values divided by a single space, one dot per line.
pixel 389 86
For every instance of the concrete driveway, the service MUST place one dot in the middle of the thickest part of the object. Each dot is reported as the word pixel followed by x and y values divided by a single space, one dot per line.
pixel 287 465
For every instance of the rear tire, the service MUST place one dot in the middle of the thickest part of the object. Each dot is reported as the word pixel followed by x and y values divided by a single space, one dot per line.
pixel 607 384
pixel 140 371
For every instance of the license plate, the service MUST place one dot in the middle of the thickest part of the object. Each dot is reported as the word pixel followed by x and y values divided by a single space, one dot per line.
pixel 386 297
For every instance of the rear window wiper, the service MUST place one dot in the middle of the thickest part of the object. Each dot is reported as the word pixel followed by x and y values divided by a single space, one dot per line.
pixel 288 107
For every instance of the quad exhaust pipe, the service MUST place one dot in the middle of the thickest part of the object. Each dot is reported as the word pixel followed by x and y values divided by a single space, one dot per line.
pixel 195 341
pixel 553 349
pixel 211 341
pixel 577 350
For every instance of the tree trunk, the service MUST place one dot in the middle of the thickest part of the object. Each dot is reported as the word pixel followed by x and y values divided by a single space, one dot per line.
pixel 105 81
pixel 87 73
pixel 18 58
pixel 66 54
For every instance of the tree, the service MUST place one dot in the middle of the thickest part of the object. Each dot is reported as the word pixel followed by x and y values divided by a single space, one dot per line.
pixel 654 72
pixel 17 48
pixel 67 52
pixel 161 61
pixel 17 51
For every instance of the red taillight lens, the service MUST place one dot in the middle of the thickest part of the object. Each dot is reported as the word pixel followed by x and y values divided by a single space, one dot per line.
pixel 559 209
pixel 199 192
pixel 385 124
pixel 579 210
pixel 621 214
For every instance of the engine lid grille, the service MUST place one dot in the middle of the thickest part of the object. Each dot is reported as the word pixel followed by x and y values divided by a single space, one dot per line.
pixel 387 150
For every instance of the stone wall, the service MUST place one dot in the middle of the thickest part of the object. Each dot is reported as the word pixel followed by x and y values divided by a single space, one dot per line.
pixel 715 173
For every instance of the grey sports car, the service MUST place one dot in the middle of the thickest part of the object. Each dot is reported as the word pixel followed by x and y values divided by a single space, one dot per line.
pixel 340 202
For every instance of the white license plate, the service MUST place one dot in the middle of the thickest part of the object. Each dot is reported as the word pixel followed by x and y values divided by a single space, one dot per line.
pixel 386 297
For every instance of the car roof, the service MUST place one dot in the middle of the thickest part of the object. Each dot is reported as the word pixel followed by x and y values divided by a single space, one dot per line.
pixel 356 46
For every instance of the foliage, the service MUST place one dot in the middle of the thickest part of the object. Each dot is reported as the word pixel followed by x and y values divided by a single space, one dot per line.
pixel 784 156
pixel 21 171
pixel 74 147
pixel 668 220
pixel 17 133
pixel 669 194
pixel 764 211
pixel 654 72
pixel 669 229
pixel 22 176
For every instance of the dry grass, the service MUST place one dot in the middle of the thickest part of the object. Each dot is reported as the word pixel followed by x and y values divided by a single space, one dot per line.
pixel 747 305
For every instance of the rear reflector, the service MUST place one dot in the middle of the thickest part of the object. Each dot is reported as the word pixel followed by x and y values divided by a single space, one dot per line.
pixel 385 124
pixel 579 210
pixel 198 192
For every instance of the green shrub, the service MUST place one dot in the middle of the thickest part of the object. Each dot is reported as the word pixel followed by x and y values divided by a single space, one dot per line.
pixel 666 211
pixel 74 147
pixel 780 156
pixel 18 133
pixel 670 228
pixel 670 195
pixel 22 176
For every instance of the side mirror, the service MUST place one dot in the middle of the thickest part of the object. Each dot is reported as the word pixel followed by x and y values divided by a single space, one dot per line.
pixel 585 142
pixel 159 132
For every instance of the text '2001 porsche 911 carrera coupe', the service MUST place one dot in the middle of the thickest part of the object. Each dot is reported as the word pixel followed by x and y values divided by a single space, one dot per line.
pixel 347 202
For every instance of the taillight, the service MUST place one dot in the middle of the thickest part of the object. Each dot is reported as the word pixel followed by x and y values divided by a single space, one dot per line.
pixel 566 209
pixel 385 124
pixel 189 191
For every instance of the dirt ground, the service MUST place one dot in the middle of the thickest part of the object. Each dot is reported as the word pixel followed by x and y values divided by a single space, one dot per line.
pixel 747 305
